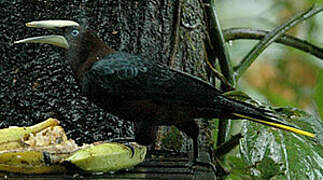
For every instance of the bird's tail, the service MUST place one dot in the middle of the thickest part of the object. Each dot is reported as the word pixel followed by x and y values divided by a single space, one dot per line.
pixel 244 110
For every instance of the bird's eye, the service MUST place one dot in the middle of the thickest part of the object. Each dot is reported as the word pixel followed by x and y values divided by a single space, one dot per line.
pixel 75 32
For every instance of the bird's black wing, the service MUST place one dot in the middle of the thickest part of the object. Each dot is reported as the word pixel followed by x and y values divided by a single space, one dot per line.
pixel 131 77
pixel 126 79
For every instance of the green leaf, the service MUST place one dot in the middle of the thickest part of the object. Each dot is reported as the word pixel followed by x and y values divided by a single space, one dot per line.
pixel 268 153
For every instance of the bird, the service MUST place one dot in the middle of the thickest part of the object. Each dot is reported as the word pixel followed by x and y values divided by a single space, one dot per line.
pixel 146 92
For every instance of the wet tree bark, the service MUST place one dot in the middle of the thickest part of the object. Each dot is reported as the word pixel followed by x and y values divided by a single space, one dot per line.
pixel 36 83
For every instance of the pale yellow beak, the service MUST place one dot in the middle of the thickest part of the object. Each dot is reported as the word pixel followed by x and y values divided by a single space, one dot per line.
pixel 51 24
pixel 56 40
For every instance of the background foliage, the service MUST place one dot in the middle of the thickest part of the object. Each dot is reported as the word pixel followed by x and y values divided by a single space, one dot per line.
pixel 282 76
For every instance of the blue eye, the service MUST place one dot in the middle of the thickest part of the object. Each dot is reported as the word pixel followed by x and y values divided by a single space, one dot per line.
pixel 75 32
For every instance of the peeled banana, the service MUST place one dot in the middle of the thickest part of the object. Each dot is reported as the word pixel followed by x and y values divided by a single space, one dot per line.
pixel 44 148
pixel 14 137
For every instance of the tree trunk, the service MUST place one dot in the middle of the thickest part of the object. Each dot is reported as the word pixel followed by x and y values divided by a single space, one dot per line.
pixel 35 82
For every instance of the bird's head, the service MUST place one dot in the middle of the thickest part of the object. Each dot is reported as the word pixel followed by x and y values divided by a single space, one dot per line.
pixel 82 45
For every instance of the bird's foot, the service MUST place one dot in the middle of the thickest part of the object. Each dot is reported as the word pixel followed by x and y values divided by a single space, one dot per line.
pixel 131 148
pixel 125 141
pixel 195 163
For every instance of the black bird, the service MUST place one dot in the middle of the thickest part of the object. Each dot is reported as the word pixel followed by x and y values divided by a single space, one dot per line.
pixel 145 92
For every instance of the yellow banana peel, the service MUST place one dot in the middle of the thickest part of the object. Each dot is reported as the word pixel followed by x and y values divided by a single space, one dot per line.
pixel 29 162
pixel 108 157
pixel 44 148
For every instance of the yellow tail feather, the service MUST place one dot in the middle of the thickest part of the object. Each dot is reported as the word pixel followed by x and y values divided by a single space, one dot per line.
pixel 281 126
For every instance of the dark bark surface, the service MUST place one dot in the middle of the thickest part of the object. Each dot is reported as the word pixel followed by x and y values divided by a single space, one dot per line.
pixel 36 83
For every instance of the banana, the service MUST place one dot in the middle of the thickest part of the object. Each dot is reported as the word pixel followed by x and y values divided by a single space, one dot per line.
pixel 36 149
pixel 105 157
pixel 13 138
pixel 108 157
pixel 45 148
pixel 30 162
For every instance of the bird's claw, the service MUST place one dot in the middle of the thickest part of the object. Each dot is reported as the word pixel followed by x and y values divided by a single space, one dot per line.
pixel 126 141
pixel 203 164
pixel 131 148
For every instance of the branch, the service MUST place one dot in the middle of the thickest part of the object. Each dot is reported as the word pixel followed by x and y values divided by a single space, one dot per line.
pixel 271 37
pixel 218 42
pixel 247 33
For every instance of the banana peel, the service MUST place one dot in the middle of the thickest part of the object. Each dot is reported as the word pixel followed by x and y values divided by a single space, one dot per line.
pixel 108 157
pixel 28 162
pixel 44 148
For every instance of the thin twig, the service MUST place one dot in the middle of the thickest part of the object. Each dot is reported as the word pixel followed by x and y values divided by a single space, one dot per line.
pixel 219 76
pixel 271 37
pixel 247 33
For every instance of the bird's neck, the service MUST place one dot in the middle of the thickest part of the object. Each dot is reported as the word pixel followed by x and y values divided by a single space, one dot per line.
pixel 86 53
